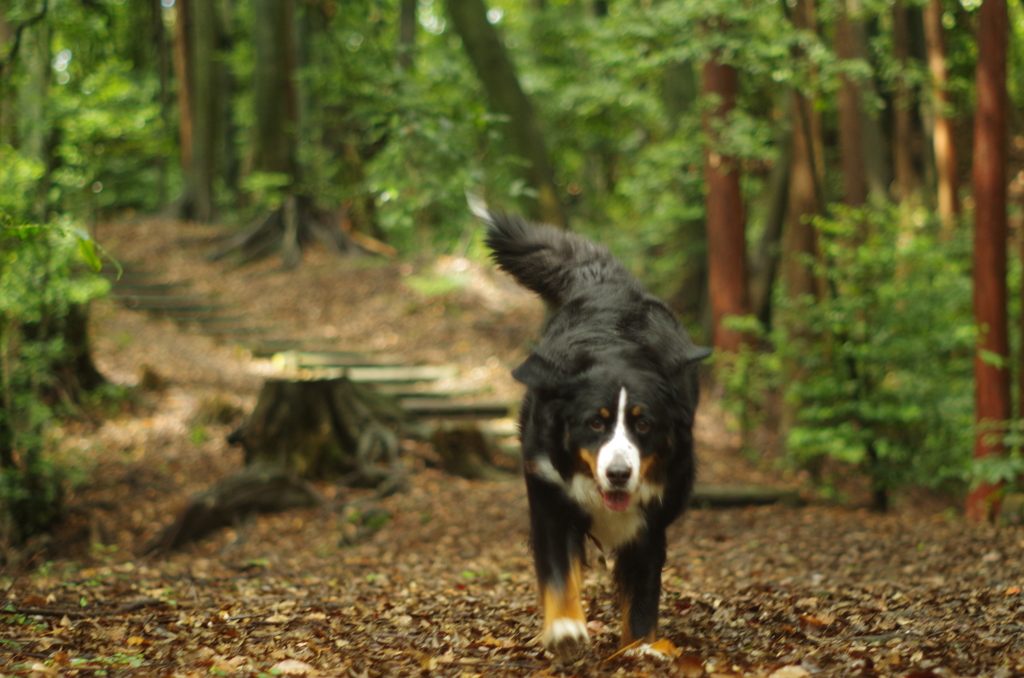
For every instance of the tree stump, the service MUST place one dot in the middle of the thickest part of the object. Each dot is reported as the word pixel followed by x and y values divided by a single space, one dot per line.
pixel 324 428
pixel 466 452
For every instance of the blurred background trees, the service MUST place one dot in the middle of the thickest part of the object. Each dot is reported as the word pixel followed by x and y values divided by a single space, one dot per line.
pixel 794 176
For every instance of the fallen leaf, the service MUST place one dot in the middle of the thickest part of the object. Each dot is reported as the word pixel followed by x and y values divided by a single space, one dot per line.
pixel 689 666
pixel 665 647
pixel 294 667
pixel 277 619
pixel 791 671
pixel 46 642
pixel 40 670
pixel 622 652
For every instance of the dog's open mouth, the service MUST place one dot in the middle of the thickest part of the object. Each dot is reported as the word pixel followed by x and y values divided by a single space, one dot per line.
pixel 616 500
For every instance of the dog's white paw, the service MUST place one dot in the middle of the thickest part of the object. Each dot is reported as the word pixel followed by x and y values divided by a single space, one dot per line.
pixel 566 637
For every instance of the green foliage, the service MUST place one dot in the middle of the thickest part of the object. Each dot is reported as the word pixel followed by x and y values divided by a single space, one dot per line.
pixel 883 365
pixel 749 377
pixel 39 285
pixel 112 140
pixel 18 176
pixel 104 144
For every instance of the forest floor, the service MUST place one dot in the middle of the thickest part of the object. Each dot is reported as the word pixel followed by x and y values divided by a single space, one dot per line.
pixel 445 586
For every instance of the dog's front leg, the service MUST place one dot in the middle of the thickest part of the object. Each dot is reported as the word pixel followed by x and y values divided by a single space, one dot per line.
pixel 638 577
pixel 557 536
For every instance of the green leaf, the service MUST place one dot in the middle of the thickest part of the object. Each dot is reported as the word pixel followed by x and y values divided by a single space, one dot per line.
pixel 87 250
pixel 992 358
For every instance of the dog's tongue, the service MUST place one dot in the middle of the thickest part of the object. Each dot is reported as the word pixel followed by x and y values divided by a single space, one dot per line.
pixel 616 501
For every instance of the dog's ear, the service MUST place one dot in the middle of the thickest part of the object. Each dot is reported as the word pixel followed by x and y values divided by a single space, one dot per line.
pixel 694 354
pixel 542 374
pixel 538 373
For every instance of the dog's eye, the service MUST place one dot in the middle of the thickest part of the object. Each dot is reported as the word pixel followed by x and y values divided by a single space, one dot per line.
pixel 642 426
pixel 597 423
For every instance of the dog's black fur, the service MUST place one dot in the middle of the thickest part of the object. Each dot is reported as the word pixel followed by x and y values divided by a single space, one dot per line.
pixel 605 424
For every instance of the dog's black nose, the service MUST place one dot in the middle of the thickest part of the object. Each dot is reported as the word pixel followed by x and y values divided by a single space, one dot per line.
pixel 618 474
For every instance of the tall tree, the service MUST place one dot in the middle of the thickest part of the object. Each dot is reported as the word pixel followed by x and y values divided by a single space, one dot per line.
pixel 506 96
pixel 158 33
pixel 905 176
pixel 805 180
pixel 942 124
pixel 274 103
pixel 182 63
pixel 406 33
pixel 855 186
pixel 35 129
pixel 726 226
pixel 991 368
pixel 199 100
pixel 861 142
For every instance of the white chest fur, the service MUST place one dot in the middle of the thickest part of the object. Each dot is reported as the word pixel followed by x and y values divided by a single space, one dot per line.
pixel 610 528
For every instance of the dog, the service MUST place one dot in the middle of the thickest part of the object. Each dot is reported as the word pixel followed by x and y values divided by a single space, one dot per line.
pixel 606 424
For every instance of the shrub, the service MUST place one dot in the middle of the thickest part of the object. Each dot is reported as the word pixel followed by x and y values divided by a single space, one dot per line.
pixel 42 292
pixel 884 362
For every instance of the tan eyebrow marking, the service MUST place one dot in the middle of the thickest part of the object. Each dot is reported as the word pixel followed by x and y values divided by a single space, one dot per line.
pixel 604 412
pixel 637 410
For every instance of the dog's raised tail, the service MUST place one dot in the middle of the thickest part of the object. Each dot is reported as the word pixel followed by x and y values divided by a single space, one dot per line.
pixel 547 260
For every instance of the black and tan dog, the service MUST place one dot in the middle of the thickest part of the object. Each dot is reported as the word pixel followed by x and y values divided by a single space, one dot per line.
pixel 605 424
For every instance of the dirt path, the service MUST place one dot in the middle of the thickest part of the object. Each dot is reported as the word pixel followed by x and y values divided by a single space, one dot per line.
pixel 444 587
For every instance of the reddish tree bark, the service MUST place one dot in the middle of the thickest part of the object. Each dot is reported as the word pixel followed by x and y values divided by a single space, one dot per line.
pixel 992 387
pixel 942 133
pixel 727 251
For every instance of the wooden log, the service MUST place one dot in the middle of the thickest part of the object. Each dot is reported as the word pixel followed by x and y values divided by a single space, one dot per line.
pixel 731 496
pixel 426 407
pixel 253 490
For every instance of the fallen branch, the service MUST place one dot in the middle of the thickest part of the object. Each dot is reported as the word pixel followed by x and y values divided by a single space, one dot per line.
pixel 254 490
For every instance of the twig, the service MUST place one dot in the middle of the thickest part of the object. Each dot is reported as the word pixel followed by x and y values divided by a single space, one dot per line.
pixel 75 614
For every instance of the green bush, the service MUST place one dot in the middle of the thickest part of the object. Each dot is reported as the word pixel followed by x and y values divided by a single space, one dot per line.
pixel 42 282
pixel 884 363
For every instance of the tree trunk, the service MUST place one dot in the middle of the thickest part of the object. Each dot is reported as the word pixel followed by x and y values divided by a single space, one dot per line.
pixel 726 228
pixel 505 96
pixel 182 66
pixel 407 34
pixel 765 262
pixel 906 180
pixel 163 70
pixel 679 92
pixel 799 240
pixel 855 186
pixel 274 100
pixel 229 162
pixel 204 93
pixel 34 128
pixel 942 132
pixel 992 396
